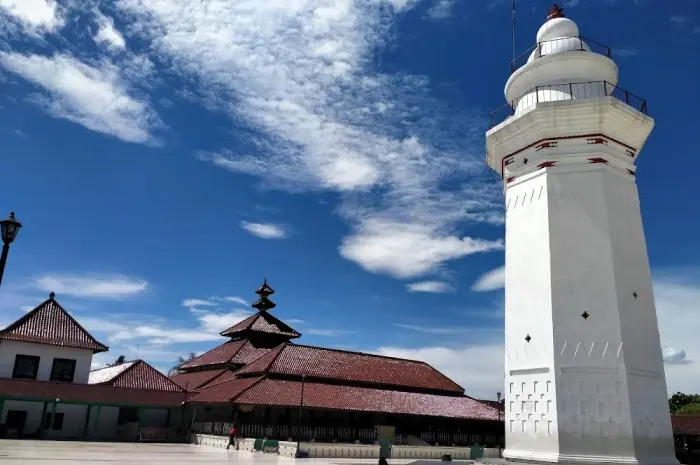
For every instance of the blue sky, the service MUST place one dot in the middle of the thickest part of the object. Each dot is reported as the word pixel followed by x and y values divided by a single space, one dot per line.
pixel 164 156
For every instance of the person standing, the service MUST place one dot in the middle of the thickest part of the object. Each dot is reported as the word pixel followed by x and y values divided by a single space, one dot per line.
pixel 233 437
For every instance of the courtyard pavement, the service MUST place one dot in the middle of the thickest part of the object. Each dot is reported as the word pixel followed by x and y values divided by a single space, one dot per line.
pixel 104 453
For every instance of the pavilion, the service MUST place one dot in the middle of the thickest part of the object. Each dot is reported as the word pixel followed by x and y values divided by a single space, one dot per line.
pixel 271 386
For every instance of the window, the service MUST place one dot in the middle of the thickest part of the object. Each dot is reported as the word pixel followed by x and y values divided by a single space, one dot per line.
pixel 63 369
pixel 57 421
pixel 26 366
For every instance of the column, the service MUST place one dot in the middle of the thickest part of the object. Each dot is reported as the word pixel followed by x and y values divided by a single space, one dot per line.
pixel 86 426
pixel 43 420
pixel 53 415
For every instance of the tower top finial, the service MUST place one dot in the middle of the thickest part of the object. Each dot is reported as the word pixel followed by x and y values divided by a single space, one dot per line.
pixel 52 295
pixel 555 12
pixel 264 303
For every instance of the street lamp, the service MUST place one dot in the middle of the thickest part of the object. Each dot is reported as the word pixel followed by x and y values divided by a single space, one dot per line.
pixel 301 406
pixel 8 231
pixel 498 397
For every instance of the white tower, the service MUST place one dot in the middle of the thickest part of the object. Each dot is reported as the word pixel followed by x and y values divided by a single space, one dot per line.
pixel 584 374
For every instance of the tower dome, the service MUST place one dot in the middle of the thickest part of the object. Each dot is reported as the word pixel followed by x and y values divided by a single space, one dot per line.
pixel 561 66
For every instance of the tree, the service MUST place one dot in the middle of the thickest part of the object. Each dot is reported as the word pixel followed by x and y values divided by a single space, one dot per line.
pixel 181 361
pixel 680 400
pixel 690 409
pixel 121 359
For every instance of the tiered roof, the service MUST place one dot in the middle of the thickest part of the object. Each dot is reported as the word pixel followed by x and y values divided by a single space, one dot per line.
pixel 136 374
pixel 237 352
pixel 261 390
pixel 355 367
pixel 49 323
pixel 262 322
pixel 249 370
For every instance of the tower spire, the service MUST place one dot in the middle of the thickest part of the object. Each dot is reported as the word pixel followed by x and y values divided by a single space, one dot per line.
pixel 555 12
pixel 264 304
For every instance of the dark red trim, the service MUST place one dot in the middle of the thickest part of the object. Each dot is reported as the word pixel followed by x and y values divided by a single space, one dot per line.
pixel 510 179
pixel 597 140
pixel 546 145
pixel 587 136
pixel 631 172
pixel 546 164
pixel 598 160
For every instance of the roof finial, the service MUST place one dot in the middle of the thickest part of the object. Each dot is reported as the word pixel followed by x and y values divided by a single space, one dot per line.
pixel 52 295
pixel 555 12
pixel 263 303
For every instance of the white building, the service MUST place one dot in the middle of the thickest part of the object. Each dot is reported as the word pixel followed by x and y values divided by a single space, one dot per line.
pixel 585 380
pixel 48 390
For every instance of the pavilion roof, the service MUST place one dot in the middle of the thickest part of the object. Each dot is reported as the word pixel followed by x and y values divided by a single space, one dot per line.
pixel 262 390
pixel 262 322
pixel 103 394
pixel 136 374
pixel 51 324
pixel 193 380
pixel 237 352
pixel 686 424
pixel 353 367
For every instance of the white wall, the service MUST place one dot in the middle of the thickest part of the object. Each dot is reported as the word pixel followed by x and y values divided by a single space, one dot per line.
pixel 46 353
pixel 73 417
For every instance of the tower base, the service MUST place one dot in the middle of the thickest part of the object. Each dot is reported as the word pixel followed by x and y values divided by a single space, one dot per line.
pixel 564 459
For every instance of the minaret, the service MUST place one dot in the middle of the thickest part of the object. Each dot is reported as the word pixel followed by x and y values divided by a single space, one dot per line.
pixel 584 377
pixel 264 304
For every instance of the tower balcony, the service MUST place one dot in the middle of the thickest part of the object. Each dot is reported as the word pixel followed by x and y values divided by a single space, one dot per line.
pixel 566 91
pixel 559 45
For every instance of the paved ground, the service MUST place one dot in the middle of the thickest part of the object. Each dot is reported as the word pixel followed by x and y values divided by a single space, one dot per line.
pixel 103 453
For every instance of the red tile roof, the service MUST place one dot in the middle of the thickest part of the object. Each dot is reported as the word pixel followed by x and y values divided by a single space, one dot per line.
pixel 340 397
pixel 88 393
pixel 50 324
pixel 262 322
pixel 224 391
pixel 238 352
pixel 322 363
pixel 137 374
pixel 195 379
pixel 686 424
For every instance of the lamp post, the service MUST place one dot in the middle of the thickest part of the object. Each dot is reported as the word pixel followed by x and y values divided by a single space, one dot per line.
pixel 301 406
pixel 8 231
pixel 498 397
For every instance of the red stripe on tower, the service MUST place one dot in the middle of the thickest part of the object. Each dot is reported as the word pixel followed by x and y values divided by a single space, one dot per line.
pixel 546 145
pixel 597 140
pixel 598 160
pixel 546 164
pixel 510 179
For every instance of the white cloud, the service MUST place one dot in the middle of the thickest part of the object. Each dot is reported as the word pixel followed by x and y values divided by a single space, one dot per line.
pixel 408 250
pixel 441 9
pixel 433 330
pixel 299 73
pixel 263 230
pixel 35 16
pixel 107 35
pixel 679 19
pixel 93 96
pixel 93 286
pixel 491 280
pixel 232 298
pixel 197 303
pixel 436 287
pixel 326 332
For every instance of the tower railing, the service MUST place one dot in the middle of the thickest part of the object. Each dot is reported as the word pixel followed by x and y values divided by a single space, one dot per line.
pixel 561 44
pixel 571 91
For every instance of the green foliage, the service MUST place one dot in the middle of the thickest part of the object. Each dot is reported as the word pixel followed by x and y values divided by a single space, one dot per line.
pixel 680 400
pixel 690 409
